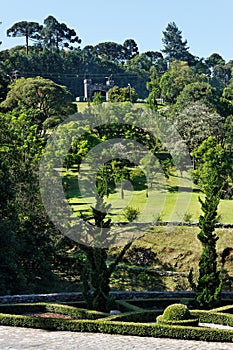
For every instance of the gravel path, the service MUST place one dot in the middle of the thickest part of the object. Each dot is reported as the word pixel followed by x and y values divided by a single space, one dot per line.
pixel 14 338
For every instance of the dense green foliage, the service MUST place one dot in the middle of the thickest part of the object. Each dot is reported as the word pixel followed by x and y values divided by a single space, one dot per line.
pixel 37 88
pixel 209 285
pixel 96 271
pixel 174 47
pixel 10 274
pixel 117 94
pixel 177 314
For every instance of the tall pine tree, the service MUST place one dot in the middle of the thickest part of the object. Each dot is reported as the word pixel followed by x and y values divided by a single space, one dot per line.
pixel 174 47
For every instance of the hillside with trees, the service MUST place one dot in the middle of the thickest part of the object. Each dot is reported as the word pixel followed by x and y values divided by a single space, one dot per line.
pixel 38 86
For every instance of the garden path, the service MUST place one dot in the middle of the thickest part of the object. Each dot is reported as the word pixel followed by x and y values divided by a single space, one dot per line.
pixel 15 338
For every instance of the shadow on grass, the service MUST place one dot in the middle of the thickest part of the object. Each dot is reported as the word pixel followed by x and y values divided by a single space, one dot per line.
pixel 173 189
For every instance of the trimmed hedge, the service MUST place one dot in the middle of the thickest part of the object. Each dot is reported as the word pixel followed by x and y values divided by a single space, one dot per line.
pixel 214 317
pixel 177 314
pixel 165 331
pixel 114 327
pixel 77 313
pixel 131 323
pixel 192 322
pixel 227 308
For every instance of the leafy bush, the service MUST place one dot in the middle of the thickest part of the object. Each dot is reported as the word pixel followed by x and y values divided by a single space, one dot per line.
pixel 131 213
pixel 187 216
pixel 177 314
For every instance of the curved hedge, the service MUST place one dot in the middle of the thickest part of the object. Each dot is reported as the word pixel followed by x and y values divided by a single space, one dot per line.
pixel 214 317
pixel 113 325
pixel 224 309
pixel 192 322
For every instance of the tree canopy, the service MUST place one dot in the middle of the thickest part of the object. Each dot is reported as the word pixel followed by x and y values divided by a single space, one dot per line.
pixel 52 35
pixel 174 47
pixel 56 35
pixel 39 94
pixel 29 30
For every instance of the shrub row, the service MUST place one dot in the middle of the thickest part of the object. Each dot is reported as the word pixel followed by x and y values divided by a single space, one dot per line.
pixel 192 322
pixel 225 309
pixel 114 327
pixel 78 313
pixel 213 317
pixel 165 331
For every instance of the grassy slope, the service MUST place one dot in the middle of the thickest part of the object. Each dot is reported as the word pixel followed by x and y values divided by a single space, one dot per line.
pixel 176 248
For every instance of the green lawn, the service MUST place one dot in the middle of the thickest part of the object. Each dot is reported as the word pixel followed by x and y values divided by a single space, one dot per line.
pixel 176 248
pixel 164 201
pixel 81 106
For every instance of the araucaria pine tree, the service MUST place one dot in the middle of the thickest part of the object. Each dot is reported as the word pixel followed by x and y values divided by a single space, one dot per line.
pixel 208 289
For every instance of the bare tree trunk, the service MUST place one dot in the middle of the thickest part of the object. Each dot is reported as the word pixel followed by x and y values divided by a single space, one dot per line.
pixel 26 44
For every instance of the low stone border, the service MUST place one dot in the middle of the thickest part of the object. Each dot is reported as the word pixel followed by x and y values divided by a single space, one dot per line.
pixel 172 223
pixel 77 296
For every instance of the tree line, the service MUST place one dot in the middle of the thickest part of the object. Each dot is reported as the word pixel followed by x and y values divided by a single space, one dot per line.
pixel 53 51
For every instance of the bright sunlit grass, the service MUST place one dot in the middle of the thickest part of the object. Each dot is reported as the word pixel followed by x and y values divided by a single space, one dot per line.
pixel 173 200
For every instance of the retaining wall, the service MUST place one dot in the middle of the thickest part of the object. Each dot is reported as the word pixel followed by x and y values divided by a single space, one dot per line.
pixel 71 297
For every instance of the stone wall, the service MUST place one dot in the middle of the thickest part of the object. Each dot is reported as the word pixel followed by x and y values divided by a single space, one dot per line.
pixel 71 297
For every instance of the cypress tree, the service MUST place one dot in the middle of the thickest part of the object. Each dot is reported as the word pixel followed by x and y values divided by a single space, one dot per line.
pixel 208 289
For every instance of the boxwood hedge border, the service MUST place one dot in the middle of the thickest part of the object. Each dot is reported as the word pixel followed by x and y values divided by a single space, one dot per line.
pixel 77 313
pixel 131 323
pixel 220 318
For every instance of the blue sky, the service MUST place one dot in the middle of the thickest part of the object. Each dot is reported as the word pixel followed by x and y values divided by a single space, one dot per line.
pixel 206 24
